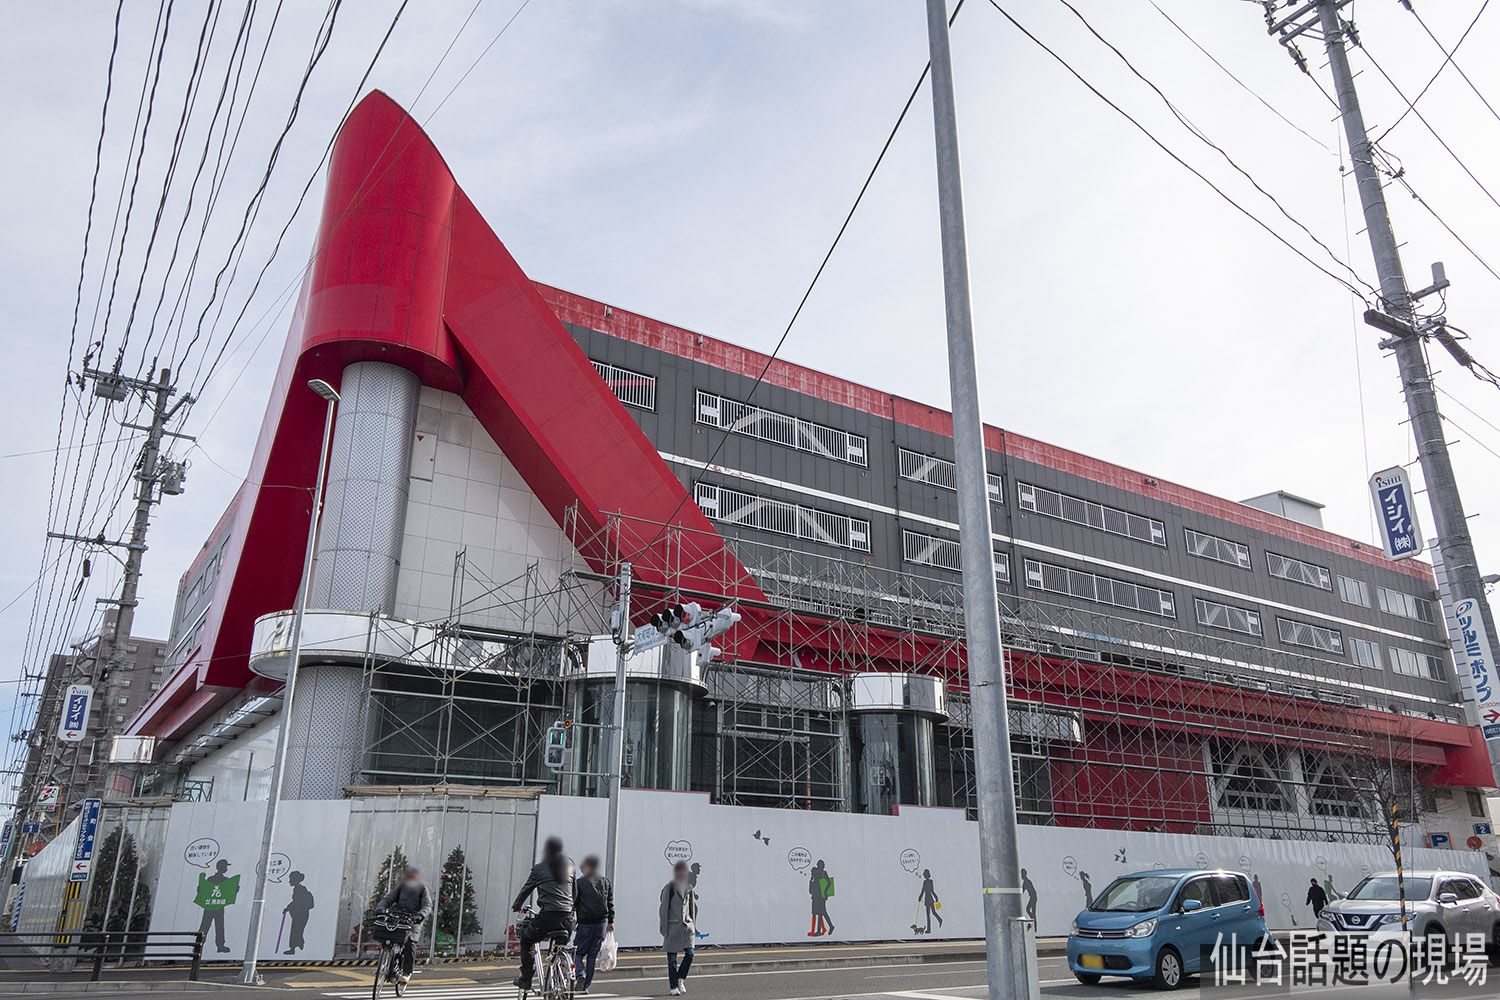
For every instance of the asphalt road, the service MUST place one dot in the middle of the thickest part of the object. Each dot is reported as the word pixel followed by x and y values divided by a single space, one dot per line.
pixel 942 980
pixel 918 981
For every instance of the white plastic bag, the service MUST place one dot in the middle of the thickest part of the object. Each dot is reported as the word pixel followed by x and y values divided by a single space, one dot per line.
pixel 609 953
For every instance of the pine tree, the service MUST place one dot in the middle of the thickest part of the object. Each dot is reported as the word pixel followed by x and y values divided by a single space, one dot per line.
pixel 125 912
pixel 392 868
pixel 456 873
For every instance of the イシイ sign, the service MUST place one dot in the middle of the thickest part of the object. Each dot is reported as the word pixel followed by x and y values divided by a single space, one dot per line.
pixel 75 714
pixel 1399 530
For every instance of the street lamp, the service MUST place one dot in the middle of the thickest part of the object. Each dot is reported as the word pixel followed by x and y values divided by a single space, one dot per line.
pixel 248 976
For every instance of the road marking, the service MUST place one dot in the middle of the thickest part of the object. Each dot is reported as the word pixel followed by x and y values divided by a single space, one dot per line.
pixel 474 991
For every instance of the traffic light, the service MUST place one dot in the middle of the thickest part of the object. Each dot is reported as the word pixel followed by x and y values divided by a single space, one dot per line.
pixel 556 745
pixel 675 617
pixel 696 637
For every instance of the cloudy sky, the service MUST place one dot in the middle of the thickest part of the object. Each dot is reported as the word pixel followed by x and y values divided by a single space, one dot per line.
pixel 692 160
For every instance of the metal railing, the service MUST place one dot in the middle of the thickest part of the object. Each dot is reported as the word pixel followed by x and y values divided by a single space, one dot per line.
pixel 98 947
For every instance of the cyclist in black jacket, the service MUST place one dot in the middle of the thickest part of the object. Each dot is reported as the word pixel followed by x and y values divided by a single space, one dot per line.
pixel 596 917
pixel 554 881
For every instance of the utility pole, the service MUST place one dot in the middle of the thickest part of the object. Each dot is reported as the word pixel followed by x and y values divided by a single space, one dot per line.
pixel 623 643
pixel 1009 936
pixel 155 477
pixel 1457 548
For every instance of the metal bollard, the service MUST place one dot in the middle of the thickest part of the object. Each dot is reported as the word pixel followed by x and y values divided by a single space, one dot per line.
pixel 197 956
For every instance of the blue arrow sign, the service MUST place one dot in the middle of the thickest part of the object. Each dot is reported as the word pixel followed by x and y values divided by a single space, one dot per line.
pixel 88 829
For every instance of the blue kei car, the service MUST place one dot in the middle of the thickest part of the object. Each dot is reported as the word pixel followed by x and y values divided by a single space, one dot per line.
pixel 1155 925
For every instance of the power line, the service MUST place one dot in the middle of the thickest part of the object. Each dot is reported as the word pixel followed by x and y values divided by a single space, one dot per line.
pixel 1245 86
pixel 1399 176
pixel 822 265
pixel 1178 159
pixel 1471 411
pixel 1448 57
pixel 1423 119
pixel 306 188
pixel 1203 137
pixel 252 208
pixel 369 177
pixel 1470 437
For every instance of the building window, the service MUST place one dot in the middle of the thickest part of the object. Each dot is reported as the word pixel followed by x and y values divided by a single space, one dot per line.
pixel 1352 591
pixel 158 669
pixel 1331 791
pixel 1297 571
pixel 780 428
pixel 630 388
pixel 1220 549
pixel 125 682
pixel 1365 653
pixel 1394 602
pixel 119 718
pixel 1404 661
pixel 930 550
pixel 1476 804
pixel 1093 515
pixel 941 473
pixel 1100 589
pixel 733 507
pixel 1313 636
pixel 123 701
pixel 1249 779
pixel 132 647
pixel 1218 615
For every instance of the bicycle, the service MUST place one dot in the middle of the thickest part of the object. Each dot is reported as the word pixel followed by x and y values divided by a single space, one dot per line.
pixel 556 972
pixel 391 930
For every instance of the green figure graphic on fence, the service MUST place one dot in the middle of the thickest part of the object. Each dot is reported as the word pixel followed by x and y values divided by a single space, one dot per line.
pixel 215 892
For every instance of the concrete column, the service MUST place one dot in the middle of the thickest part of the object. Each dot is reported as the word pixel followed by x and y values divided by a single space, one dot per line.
pixel 369 470
pixel 359 547
pixel 324 742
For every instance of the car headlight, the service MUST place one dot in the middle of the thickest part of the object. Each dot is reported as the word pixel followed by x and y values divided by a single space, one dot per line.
pixel 1145 928
pixel 1075 927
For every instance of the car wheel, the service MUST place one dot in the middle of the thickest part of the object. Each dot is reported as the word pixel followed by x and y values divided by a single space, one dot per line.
pixel 1256 948
pixel 1088 978
pixel 1168 969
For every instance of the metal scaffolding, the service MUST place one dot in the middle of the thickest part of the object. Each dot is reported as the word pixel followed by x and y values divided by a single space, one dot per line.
pixel 1116 722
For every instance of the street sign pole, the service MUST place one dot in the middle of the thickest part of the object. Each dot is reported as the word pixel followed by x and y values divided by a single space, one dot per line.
pixel 617 748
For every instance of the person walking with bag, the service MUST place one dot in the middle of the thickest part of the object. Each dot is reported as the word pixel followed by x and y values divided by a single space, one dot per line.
pixel 596 918
pixel 679 920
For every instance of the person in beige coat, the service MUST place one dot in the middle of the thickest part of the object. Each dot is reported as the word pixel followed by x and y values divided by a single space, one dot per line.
pixel 679 920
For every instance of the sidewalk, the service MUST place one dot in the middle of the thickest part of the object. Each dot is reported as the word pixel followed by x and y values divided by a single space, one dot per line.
pixel 633 964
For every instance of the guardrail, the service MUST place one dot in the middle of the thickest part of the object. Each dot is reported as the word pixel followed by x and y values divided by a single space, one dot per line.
pixel 138 947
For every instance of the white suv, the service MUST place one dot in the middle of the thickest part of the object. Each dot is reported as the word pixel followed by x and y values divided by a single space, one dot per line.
pixel 1438 903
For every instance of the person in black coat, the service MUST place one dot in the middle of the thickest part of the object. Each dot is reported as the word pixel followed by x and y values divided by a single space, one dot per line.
pixel 555 882
pixel 596 918
pixel 1317 897
pixel 410 896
